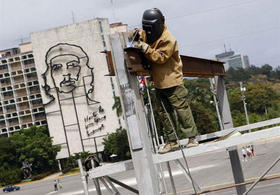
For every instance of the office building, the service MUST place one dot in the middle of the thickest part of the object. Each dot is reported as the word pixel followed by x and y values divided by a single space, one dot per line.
pixel 233 60
pixel 20 99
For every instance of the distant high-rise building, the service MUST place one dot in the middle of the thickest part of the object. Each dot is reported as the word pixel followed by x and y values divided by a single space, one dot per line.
pixel 232 60
pixel 20 98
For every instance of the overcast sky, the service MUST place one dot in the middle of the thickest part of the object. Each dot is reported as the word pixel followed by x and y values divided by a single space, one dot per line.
pixel 202 27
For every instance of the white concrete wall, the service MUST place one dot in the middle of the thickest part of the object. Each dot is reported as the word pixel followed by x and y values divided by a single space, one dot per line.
pixel 88 36
pixel 25 47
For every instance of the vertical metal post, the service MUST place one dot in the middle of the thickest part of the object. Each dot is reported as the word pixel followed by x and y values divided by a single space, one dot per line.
pixel 140 144
pixel 243 89
pixel 106 185
pixel 163 179
pixel 153 117
pixel 97 186
pixel 95 145
pixel 112 185
pixel 83 177
pixel 171 178
pixel 236 169
pixel 59 165
pixel 223 103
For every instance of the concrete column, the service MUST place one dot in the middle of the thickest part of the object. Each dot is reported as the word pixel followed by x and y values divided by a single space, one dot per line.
pixel 59 165
pixel 83 177
pixel 223 103
pixel 236 169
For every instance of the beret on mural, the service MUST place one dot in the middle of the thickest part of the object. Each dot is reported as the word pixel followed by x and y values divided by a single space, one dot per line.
pixel 62 49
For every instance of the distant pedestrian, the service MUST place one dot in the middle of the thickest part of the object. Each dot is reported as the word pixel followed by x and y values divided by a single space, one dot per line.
pixel 252 149
pixel 249 152
pixel 55 185
pixel 59 184
pixel 244 153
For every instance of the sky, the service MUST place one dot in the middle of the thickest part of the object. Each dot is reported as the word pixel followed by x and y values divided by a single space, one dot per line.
pixel 203 28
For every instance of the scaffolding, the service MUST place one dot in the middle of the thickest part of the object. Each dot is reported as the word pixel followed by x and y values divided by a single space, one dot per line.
pixel 146 163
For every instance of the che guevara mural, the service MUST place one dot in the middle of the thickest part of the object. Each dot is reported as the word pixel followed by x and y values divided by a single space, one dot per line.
pixel 77 97
pixel 64 63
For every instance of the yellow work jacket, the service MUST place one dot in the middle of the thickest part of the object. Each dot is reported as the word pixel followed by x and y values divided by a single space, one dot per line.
pixel 166 64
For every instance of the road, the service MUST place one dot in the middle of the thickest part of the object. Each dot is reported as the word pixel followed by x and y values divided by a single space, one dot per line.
pixel 210 171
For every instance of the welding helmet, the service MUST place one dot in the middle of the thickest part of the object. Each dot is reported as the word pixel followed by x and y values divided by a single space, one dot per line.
pixel 153 24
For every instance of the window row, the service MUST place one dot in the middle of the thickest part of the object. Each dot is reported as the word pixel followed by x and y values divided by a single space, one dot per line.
pixel 14 119
pixel 4 75
pixel 4 131
pixel 16 72
pixel 33 84
pixel 17 58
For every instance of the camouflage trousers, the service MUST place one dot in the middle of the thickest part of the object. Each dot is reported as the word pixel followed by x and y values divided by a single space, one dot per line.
pixel 175 102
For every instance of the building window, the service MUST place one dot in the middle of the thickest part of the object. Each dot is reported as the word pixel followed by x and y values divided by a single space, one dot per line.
pixel 9 107
pixel 4 67
pixel 27 62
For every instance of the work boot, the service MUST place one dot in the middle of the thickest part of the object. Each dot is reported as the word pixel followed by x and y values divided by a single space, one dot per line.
pixel 171 146
pixel 192 142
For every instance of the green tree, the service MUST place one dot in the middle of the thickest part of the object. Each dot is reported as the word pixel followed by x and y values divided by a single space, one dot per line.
pixel 266 70
pixel 117 143
pixel 199 98
pixel 9 164
pixel 254 70
pixel 262 103
pixel 235 100
pixel 238 118
pixel 204 119
pixel 35 145
pixel 9 176
pixel 237 75
pixel 260 97
pixel 7 154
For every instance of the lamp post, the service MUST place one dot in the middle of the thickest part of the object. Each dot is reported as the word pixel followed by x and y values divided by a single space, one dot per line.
pixel 243 89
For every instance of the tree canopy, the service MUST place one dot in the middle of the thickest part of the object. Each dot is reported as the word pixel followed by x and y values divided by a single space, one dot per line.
pixel 32 144
pixel 35 145
pixel 117 144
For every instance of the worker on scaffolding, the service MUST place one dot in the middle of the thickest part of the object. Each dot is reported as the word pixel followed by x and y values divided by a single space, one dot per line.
pixel 161 50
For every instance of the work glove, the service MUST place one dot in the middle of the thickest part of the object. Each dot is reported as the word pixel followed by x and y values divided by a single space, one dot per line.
pixel 141 45
pixel 134 35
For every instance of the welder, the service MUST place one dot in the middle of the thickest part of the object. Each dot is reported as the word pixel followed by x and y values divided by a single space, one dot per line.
pixel 160 49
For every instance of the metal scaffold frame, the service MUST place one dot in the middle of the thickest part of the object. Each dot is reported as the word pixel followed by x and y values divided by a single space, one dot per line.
pixel 146 163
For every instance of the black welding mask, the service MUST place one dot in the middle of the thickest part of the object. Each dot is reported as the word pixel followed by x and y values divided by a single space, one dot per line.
pixel 153 24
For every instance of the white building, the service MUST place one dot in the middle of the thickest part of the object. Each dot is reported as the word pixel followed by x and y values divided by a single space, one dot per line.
pixel 78 97
pixel 233 60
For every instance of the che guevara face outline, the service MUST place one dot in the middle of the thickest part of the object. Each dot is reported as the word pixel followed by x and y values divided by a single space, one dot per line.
pixel 65 72
pixel 64 63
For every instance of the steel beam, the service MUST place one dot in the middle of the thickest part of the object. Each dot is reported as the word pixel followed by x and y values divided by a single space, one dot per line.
pixel 192 66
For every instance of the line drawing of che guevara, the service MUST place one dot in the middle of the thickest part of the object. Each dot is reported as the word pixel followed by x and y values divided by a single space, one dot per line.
pixel 65 63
